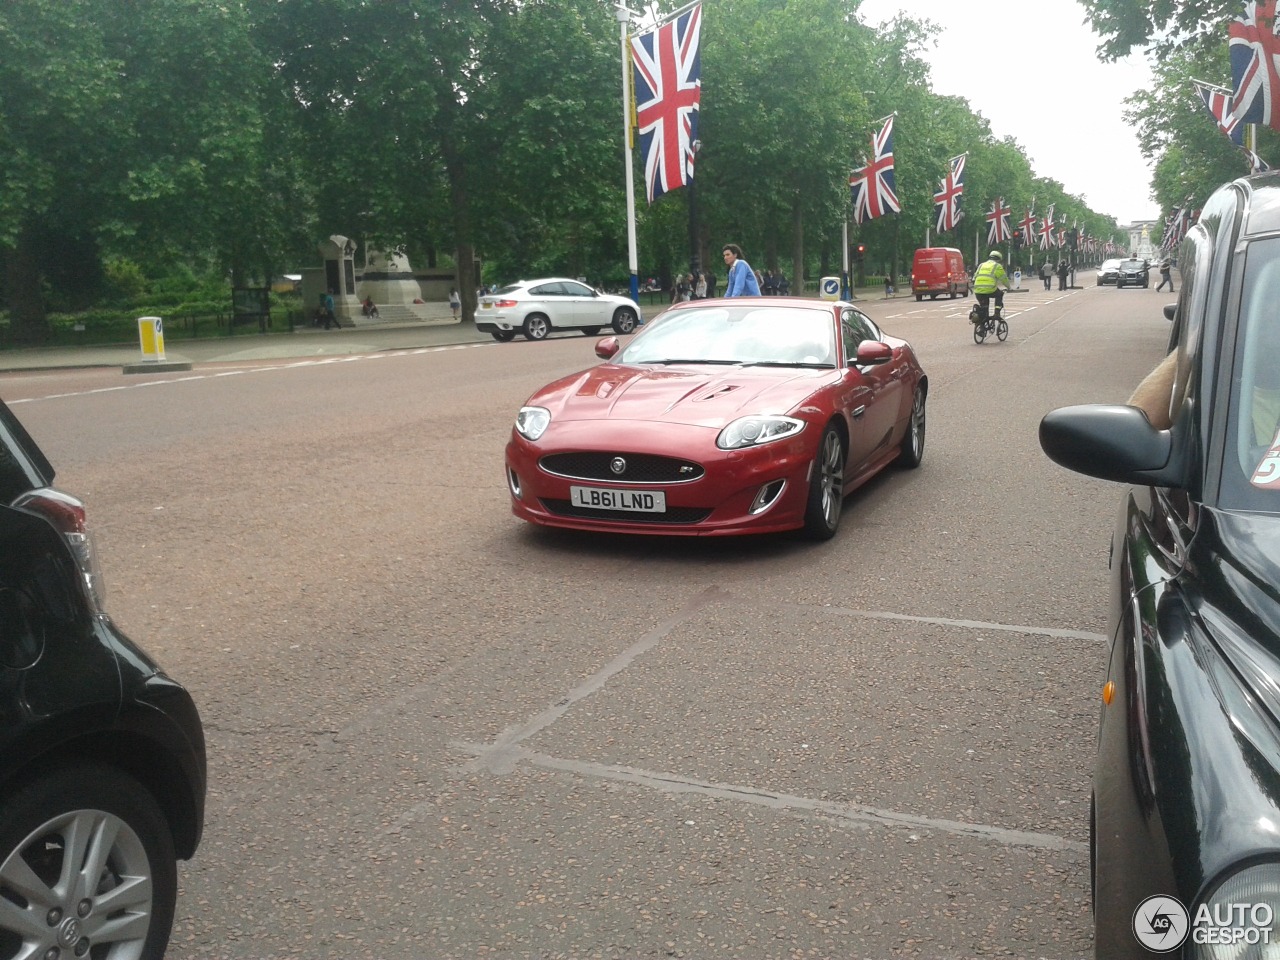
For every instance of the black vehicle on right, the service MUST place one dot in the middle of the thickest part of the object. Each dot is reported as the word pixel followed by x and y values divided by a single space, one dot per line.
pixel 1185 825
pixel 1133 273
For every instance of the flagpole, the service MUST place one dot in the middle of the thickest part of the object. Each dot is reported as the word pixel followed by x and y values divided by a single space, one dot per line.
pixel 633 258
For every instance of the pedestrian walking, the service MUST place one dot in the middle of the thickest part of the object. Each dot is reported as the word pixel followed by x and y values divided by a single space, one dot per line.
pixel 1046 274
pixel 1064 268
pixel 455 301
pixel 1166 275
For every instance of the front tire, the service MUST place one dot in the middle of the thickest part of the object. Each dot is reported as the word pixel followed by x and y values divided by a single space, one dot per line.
pixel 536 327
pixel 1002 331
pixel 624 320
pixel 87 814
pixel 911 452
pixel 826 488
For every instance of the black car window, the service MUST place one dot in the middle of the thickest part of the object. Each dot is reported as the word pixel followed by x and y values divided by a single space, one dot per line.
pixel 1251 468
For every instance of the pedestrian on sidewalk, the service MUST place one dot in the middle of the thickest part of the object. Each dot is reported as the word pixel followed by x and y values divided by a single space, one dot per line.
pixel 1046 274
pixel 455 301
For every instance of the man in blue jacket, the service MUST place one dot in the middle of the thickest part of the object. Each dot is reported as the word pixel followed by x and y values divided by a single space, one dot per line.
pixel 742 279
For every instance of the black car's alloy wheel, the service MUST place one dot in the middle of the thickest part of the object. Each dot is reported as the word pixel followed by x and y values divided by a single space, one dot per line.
pixel 86 868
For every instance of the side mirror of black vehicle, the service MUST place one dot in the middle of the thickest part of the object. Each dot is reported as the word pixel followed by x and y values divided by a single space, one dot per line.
pixel 1111 442
pixel 1170 310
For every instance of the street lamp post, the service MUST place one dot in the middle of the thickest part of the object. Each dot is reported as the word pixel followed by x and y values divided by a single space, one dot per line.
pixel 633 260
pixel 695 260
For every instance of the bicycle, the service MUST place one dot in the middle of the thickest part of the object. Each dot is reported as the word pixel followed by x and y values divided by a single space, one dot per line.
pixel 985 324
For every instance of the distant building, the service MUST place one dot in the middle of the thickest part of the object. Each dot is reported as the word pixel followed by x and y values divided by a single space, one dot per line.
pixel 1140 243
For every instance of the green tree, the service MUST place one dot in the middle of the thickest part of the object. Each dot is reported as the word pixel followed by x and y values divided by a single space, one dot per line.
pixel 117 130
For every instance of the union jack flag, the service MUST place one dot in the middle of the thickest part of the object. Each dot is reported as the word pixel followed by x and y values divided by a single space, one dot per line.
pixel 872 185
pixel 1047 237
pixel 1255 71
pixel 1256 163
pixel 1028 225
pixel 998 222
pixel 668 83
pixel 1221 108
pixel 947 199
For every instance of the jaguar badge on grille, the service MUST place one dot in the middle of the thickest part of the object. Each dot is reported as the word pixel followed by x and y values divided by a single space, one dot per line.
pixel 618 466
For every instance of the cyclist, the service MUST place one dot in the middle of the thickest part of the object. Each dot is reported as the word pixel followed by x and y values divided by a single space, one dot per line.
pixel 986 284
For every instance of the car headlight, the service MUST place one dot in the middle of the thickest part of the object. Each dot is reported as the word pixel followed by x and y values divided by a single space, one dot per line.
pixel 1241 918
pixel 532 422
pixel 753 431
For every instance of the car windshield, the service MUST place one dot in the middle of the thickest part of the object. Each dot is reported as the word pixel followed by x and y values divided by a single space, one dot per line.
pixel 754 333
pixel 1251 471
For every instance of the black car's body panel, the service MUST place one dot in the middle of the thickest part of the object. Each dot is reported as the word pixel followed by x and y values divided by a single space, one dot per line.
pixel 73 687
pixel 1133 273
pixel 1187 781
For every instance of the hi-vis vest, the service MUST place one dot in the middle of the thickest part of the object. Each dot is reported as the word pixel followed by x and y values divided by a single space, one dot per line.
pixel 986 280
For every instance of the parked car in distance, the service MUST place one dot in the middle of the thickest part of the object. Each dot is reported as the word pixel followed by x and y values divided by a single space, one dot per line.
pixel 939 270
pixel 102 756
pixel 1108 272
pixel 1133 273
pixel 536 307
pixel 1186 788
pixel 739 416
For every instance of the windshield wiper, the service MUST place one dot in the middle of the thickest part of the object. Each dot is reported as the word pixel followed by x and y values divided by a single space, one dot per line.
pixel 731 363
pixel 790 363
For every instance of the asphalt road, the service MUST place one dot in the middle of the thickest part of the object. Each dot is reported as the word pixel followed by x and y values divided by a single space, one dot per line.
pixel 436 732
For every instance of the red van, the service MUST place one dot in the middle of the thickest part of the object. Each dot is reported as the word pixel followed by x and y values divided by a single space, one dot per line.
pixel 937 270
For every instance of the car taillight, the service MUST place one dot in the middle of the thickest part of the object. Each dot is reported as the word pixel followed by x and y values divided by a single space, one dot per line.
pixel 505 303
pixel 67 515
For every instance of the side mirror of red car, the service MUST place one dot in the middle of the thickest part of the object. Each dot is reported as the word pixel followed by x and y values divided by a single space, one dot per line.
pixel 606 348
pixel 873 352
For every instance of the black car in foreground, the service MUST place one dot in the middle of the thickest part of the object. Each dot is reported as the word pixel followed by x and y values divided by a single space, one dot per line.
pixel 102 756
pixel 1186 791
pixel 1133 273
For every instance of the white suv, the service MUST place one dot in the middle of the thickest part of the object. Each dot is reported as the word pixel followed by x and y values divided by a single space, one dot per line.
pixel 536 307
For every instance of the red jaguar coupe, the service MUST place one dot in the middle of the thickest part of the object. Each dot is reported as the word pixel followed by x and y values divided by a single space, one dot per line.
pixel 721 417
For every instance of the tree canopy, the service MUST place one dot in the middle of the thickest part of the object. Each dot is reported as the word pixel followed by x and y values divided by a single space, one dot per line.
pixel 237 135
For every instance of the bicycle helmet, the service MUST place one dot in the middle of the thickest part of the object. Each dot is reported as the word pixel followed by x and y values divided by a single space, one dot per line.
pixel 995 255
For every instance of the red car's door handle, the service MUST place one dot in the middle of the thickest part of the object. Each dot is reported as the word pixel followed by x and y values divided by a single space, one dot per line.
pixel 859 411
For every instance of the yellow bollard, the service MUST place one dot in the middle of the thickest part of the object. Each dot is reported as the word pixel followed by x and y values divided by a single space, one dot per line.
pixel 151 336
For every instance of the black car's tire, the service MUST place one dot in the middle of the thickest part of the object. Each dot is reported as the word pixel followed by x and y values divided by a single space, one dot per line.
pixel 503 336
pixel 911 451
pixel 919 297
pixel 590 331
pixel 90 802
pixel 536 327
pixel 1119 284
pixel 826 489
pixel 624 320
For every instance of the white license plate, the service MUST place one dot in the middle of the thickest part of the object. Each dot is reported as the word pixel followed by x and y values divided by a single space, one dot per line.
pixel 637 501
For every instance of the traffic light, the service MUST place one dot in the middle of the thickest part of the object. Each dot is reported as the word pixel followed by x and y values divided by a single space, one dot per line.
pixel 1017 239
pixel 860 252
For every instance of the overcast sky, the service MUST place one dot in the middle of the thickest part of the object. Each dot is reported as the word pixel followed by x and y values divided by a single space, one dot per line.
pixel 1077 137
